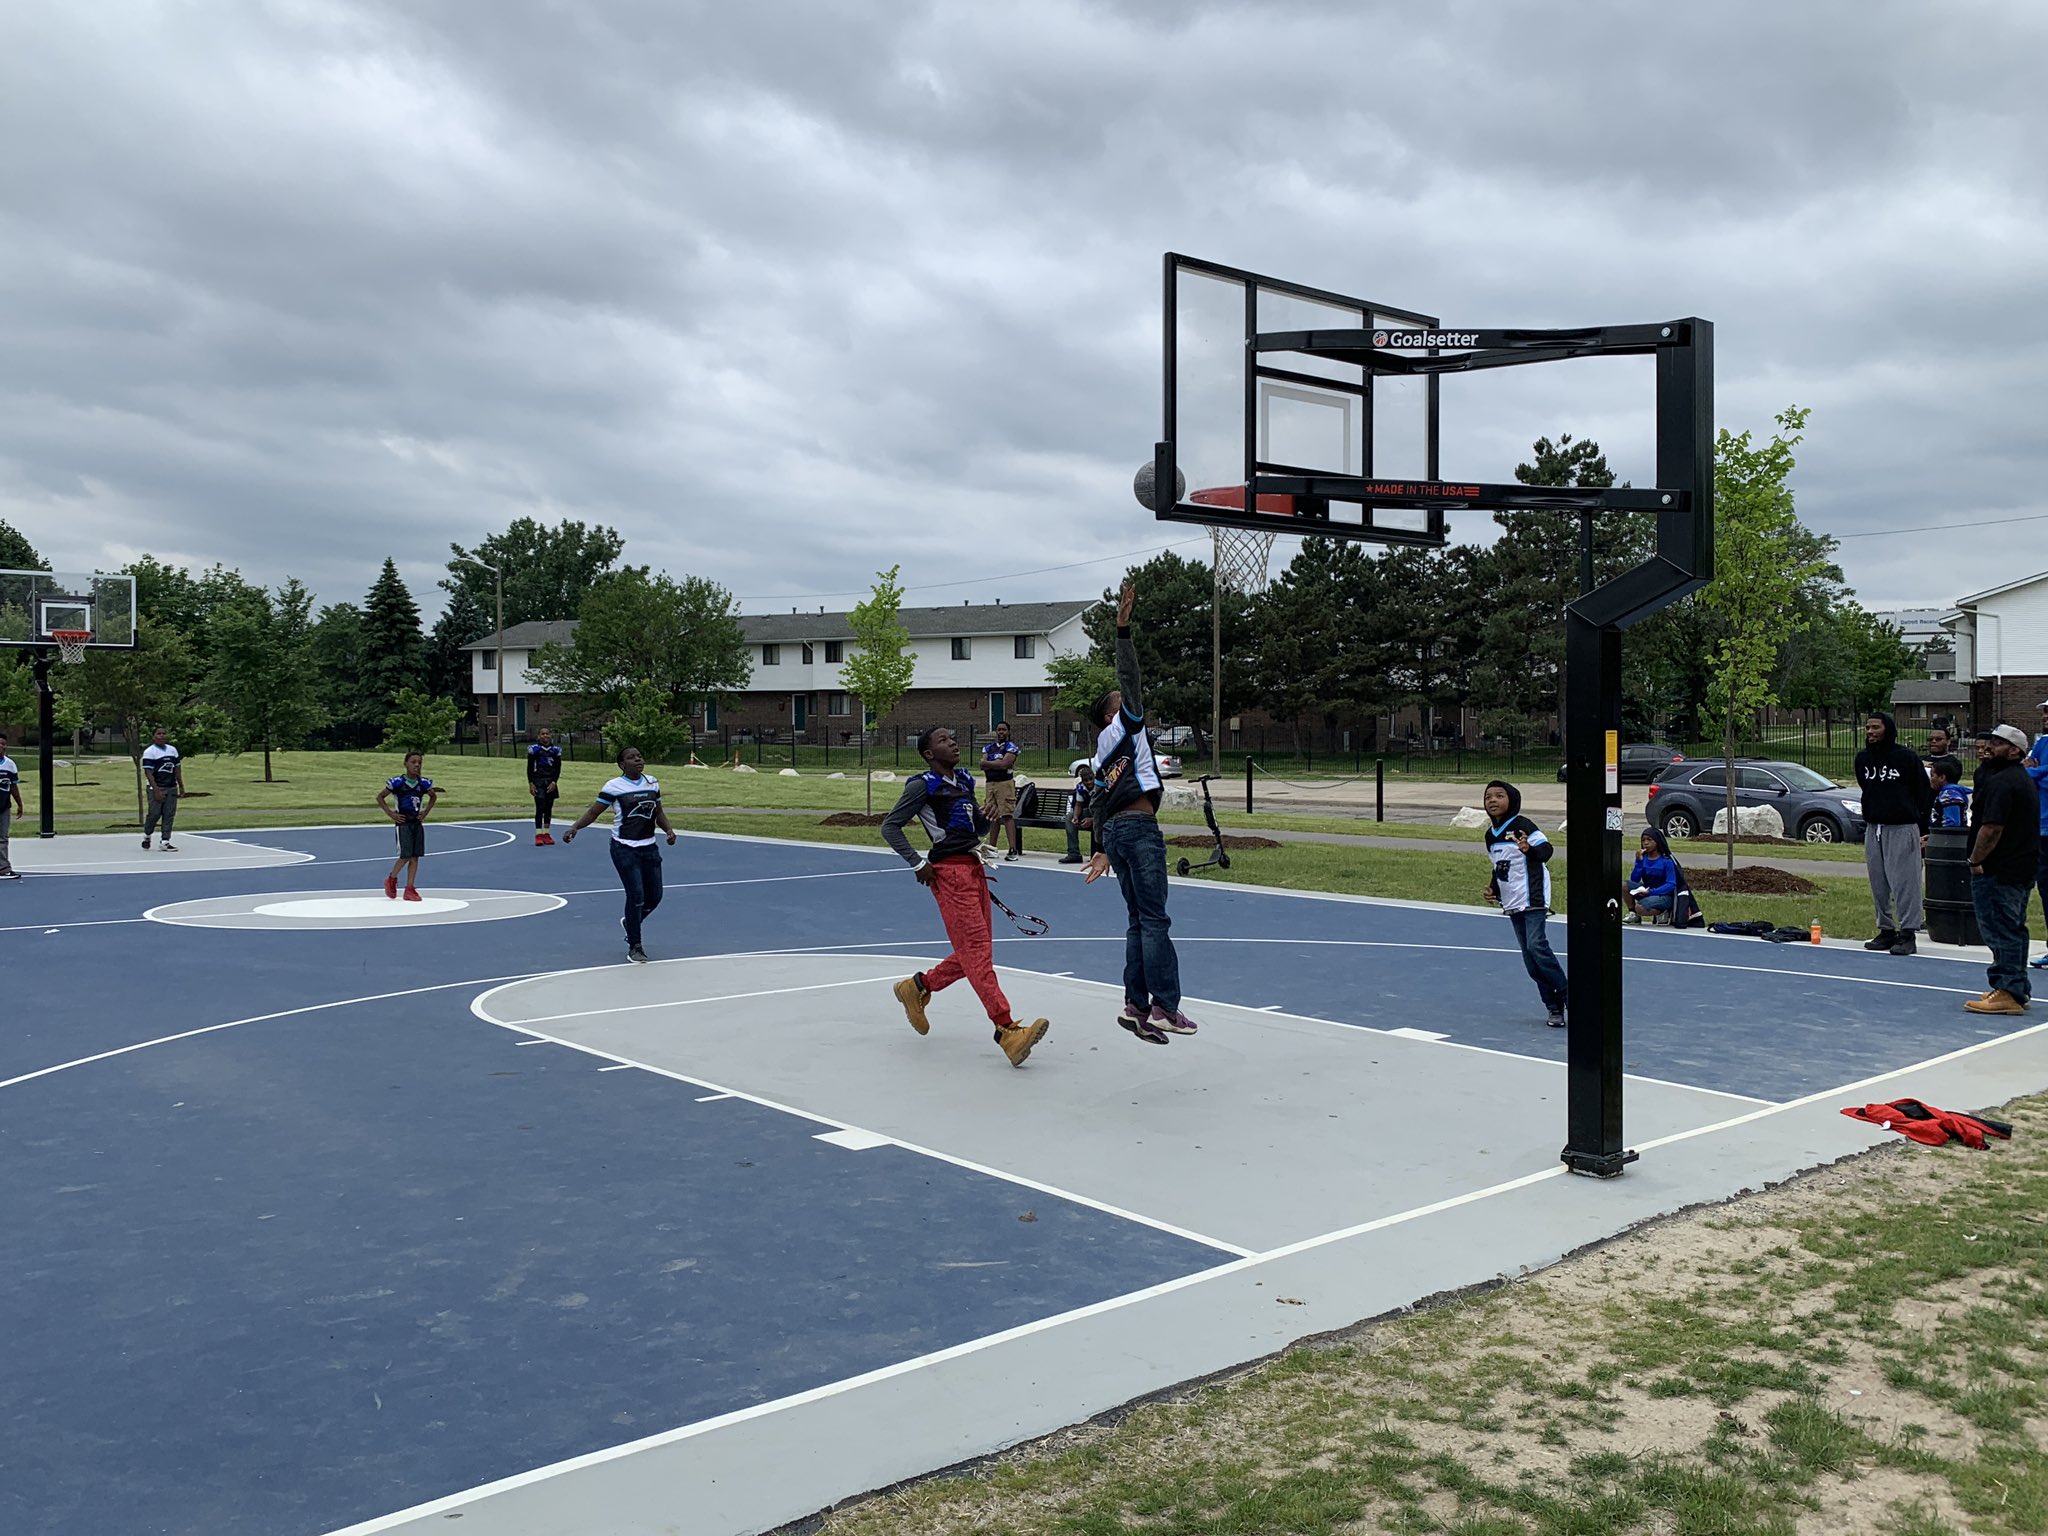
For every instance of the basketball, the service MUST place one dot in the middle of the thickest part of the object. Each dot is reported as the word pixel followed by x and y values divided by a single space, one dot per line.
pixel 1141 486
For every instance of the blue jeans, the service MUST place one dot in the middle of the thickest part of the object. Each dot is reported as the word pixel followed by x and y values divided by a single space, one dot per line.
pixel 2002 920
pixel 640 873
pixel 1538 958
pixel 1137 852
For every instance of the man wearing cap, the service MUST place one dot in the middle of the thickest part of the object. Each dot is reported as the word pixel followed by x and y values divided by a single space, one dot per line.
pixel 2005 817
pixel 2036 765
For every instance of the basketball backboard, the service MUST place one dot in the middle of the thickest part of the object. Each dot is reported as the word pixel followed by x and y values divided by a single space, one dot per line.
pixel 1235 411
pixel 36 605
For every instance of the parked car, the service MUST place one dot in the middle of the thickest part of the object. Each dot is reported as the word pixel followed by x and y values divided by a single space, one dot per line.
pixel 1640 762
pixel 1174 738
pixel 1686 796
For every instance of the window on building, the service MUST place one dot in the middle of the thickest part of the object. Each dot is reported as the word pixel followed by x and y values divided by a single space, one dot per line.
pixel 771 655
pixel 838 704
pixel 835 652
pixel 963 648
pixel 808 657
pixel 1030 701
pixel 490 661
pixel 490 706
pixel 1026 647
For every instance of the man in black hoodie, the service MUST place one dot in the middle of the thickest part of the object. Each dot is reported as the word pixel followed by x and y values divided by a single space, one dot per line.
pixel 1896 797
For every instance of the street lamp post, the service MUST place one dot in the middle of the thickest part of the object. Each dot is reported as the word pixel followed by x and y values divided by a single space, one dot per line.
pixel 498 641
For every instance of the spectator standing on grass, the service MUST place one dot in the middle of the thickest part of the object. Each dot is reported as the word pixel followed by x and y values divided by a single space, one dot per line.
pixel 1896 798
pixel 164 772
pixel 1939 742
pixel 2005 817
pixel 1520 887
pixel 2036 765
pixel 10 806
pixel 999 767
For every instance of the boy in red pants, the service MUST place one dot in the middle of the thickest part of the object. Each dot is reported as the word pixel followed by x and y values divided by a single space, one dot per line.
pixel 942 798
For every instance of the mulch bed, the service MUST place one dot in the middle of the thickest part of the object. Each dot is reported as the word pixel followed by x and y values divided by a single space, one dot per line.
pixel 852 819
pixel 1195 840
pixel 1754 881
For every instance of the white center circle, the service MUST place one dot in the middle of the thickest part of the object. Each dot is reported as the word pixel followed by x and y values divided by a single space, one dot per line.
pixel 358 906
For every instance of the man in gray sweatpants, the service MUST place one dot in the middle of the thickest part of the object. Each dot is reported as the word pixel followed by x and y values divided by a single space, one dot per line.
pixel 10 806
pixel 1896 797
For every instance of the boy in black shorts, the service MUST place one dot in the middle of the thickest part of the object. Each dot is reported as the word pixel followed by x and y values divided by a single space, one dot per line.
pixel 415 796
pixel 543 775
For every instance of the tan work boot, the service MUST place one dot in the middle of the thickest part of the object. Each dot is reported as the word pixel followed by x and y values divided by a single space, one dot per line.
pixel 913 997
pixel 1018 1039
pixel 1996 1002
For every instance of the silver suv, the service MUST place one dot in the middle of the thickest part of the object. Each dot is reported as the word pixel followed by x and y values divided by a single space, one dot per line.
pixel 1685 798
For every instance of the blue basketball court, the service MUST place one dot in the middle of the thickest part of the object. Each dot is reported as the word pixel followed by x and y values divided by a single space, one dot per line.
pixel 333 1214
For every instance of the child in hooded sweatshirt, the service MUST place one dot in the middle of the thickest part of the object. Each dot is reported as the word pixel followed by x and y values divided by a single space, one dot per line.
pixel 1520 887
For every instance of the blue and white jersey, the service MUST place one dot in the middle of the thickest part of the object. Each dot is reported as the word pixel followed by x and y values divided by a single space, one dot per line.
pixel 10 778
pixel 634 804
pixel 411 795
pixel 543 764
pixel 160 765
pixel 1522 880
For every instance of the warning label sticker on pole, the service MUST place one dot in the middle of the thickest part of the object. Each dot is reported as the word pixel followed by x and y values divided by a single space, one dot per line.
pixel 1614 762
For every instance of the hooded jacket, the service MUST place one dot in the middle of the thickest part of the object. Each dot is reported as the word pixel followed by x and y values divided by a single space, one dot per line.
pixel 1893 780
pixel 1521 881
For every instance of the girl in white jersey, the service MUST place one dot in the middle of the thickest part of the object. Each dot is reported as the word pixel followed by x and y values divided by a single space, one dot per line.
pixel 635 801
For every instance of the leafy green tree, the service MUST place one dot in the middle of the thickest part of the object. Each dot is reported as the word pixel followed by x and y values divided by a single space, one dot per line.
pixel 337 652
pixel 18 701
pixel 1172 635
pixel 260 669
pixel 393 653
pixel 1758 577
pixel 417 723
pixel 140 688
pixel 462 622
pixel 16 553
pixel 1078 679
pixel 67 713
pixel 548 571
pixel 646 719
pixel 1311 645
pixel 1427 616
pixel 879 668
pixel 637 627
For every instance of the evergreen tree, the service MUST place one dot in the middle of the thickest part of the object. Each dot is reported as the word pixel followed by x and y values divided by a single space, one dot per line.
pixel 393 650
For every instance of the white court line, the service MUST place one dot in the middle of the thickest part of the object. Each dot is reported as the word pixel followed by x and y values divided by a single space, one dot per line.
pixel 260 1018
pixel 710 1098
pixel 621 1067
pixel 700 885
pixel 688 1002
pixel 478 1007
pixel 97 922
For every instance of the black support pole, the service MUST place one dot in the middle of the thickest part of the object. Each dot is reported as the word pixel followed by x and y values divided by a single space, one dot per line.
pixel 1379 789
pixel 1247 786
pixel 1593 1076
pixel 46 745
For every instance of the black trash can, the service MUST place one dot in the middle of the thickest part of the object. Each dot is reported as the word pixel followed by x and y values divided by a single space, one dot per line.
pixel 1951 915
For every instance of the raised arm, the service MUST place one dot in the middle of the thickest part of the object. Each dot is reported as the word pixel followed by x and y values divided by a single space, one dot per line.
pixel 1128 681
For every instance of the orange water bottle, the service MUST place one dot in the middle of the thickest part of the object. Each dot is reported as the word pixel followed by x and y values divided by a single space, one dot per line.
pixel 1813 933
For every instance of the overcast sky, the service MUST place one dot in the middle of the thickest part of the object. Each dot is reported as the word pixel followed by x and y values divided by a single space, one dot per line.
pixel 790 292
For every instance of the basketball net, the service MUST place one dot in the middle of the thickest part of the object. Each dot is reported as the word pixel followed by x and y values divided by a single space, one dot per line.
pixel 71 644
pixel 1240 559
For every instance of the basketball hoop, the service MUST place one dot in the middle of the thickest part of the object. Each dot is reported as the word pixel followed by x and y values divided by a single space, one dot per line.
pixel 71 644
pixel 1241 557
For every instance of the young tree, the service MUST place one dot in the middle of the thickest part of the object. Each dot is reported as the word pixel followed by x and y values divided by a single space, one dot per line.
pixel 417 723
pixel 261 671
pixel 140 688
pixel 548 571
pixel 67 713
pixel 1758 576
pixel 1078 679
pixel 877 671
pixel 645 719
pixel 393 653
pixel 637 627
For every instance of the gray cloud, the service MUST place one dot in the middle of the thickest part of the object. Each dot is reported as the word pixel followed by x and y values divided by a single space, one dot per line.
pixel 790 292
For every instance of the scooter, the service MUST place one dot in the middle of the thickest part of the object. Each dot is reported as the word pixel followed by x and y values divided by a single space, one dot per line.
pixel 1218 858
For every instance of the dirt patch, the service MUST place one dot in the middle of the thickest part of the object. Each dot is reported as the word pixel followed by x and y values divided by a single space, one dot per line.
pixel 1193 841
pixel 852 819
pixel 1753 881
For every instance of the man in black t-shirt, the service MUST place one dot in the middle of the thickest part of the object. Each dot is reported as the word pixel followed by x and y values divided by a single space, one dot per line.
pixel 2004 822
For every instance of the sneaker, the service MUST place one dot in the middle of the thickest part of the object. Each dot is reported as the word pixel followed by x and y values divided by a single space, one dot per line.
pixel 145 845
pixel 540 839
pixel 411 894
pixel 391 886
pixel 1012 856
pixel 1137 1019
pixel 1555 1021
pixel 1633 917
pixel 1075 858
pixel 1997 1001
pixel 1172 1021
pixel 10 874
pixel 1905 946
pixel 637 955
pixel 169 846
pixel 911 993
pixel 2041 964
pixel 547 839
pixel 1018 1039
pixel 1885 939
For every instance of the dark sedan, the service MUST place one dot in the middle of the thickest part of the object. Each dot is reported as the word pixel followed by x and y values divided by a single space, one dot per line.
pixel 1640 762
pixel 1812 806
